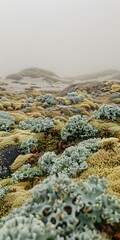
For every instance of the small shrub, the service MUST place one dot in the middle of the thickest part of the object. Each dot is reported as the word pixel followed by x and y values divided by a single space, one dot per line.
pixel 28 145
pixel 75 98
pixel 26 172
pixel 115 95
pixel 37 124
pixel 78 127
pixel 72 162
pixel 6 121
pixel 3 192
pixel 47 100
pixel 4 99
pixel 29 100
pixel 107 111
pixel 45 163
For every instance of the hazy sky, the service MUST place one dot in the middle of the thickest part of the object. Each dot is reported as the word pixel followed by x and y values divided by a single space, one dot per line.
pixel 69 37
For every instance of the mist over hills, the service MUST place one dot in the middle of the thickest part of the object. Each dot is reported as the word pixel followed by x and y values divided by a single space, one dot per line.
pixel 37 78
pixel 31 72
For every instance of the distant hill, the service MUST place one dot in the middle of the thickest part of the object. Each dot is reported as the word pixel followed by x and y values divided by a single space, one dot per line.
pixel 36 78
pixel 106 73
pixel 32 73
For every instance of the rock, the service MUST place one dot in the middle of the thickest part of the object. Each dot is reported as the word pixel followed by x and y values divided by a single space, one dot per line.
pixel 7 157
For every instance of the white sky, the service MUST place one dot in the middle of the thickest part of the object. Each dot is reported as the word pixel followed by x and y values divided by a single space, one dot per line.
pixel 69 37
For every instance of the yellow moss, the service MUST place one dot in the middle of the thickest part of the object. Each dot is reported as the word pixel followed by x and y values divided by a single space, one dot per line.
pixel 1 106
pixel 60 118
pixel 105 126
pixel 91 104
pixel 115 130
pixel 81 91
pixel 106 163
pixel 58 126
pixel 6 104
pixel 49 140
pixel 38 104
pixel 36 93
pixel 14 199
pixel 115 87
pixel 4 134
pixel 103 158
pixel 15 138
pixel 108 143
pixel 5 182
pixel 115 174
pixel 43 111
pixel 19 117
pixel 116 100
pixel 84 105
pixel 20 160
pixel 21 132
pixel 16 105
pixel 37 115
pixel 60 98
pixel 67 112
pixel 67 102
pixel 114 179
pixel 8 141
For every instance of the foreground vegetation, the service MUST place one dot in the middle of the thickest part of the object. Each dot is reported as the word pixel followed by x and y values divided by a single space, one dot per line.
pixel 60 164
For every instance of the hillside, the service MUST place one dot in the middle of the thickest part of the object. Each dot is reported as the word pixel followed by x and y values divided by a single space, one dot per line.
pixel 33 78
pixel 31 73
pixel 103 75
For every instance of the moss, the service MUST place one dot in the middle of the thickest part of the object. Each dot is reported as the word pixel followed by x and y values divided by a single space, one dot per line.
pixel 20 160
pixel 5 182
pixel 57 127
pixel 115 88
pixel 106 127
pixel 106 163
pixel 49 140
pixel 67 102
pixel 18 117
pixel 60 118
pixel 14 199
pixel 85 105
pixel 6 104
pixel 37 115
pixel 16 105
pixel 4 134
pixel 8 141
pixel 106 158
pixel 15 138
pixel 91 104
pixel 108 143
pixel 1 106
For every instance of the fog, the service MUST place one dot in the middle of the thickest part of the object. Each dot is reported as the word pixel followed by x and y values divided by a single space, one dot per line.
pixel 69 37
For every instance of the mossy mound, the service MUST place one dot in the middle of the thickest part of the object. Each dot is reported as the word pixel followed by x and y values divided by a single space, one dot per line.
pixel 14 199
pixel 106 163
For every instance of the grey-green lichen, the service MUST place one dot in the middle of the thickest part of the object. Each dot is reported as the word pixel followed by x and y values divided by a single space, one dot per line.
pixel 63 208
pixel 78 127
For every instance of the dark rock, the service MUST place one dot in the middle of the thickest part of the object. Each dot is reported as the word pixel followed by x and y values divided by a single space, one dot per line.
pixel 7 157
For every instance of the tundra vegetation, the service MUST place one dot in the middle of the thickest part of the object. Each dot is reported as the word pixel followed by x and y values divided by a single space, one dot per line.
pixel 60 164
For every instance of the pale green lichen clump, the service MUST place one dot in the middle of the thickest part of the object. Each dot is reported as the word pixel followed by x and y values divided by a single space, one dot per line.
pixel 107 111
pixel 6 121
pixel 37 124
pixel 78 127
pixel 63 208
